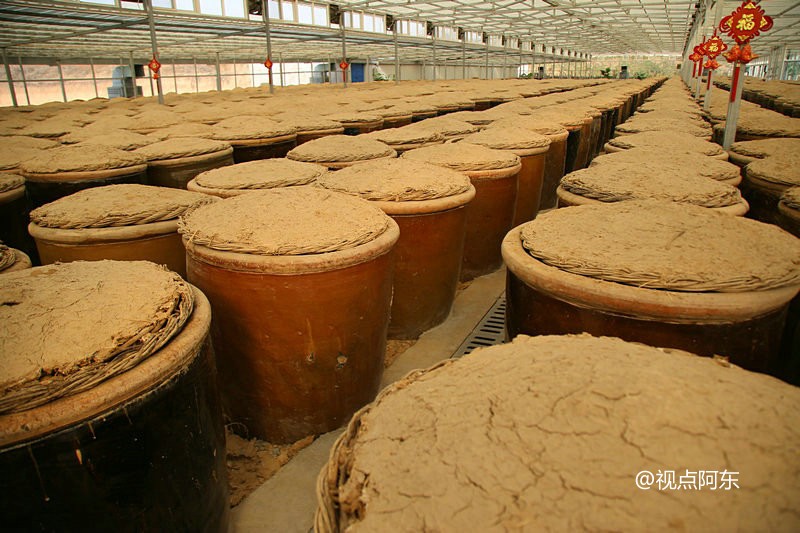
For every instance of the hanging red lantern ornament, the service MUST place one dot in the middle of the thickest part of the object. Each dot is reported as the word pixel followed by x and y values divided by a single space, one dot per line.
pixel 746 22
pixel 154 66
pixel 711 64
pixel 268 63
pixel 343 65
pixel 739 54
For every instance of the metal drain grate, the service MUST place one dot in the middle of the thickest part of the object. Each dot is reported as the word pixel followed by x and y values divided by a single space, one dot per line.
pixel 490 330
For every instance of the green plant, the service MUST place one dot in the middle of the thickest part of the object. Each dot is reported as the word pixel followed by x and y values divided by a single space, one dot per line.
pixel 605 72
pixel 640 75
pixel 527 76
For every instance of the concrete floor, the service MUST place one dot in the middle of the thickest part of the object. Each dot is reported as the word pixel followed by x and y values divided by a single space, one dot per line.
pixel 286 502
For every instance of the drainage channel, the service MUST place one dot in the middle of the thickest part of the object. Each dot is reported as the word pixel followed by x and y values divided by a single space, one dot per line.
pixel 490 330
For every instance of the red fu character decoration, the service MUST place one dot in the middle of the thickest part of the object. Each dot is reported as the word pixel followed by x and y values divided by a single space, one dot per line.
pixel 343 65
pixel 713 48
pixel 268 63
pixel 155 66
pixel 745 23
pixel 696 57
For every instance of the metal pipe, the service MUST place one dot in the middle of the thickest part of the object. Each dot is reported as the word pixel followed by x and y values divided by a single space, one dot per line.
pixel 61 81
pixel 463 58
pixel 280 62
pixel 148 5
pixel 94 77
pixel 433 42
pixel 196 77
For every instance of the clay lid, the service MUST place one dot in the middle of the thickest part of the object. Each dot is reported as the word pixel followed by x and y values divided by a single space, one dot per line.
pixel 86 157
pixel 181 147
pixel 664 245
pixel 616 181
pixel 447 126
pixel 464 156
pixel 354 117
pixel 397 180
pixel 49 128
pixel 187 129
pixel 340 148
pixel 262 174
pixel 766 123
pixel 74 325
pixel 155 118
pixel 120 139
pixel 117 205
pixel 791 198
pixel 783 169
pixel 250 127
pixel 762 148
pixel 308 122
pixel 11 158
pixel 285 221
pixel 9 182
pixel 8 256
pixel 206 114
pixel 411 134
pixel 532 123
pixel 548 433
pixel 23 141
pixel 509 139
pixel 675 141
pixel 662 124
pixel 690 162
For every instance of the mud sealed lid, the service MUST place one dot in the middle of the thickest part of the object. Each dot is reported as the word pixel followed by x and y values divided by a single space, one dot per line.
pixel 180 147
pixel 8 257
pixel 449 127
pixel 668 140
pixel 692 162
pixel 397 180
pixel 411 135
pixel 120 139
pixel 83 158
pixel 341 149
pixel 305 122
pixel 661 123
pixel 116 206
pixel 533 123
pixel 10 182
pixel 761 148
pixel 464 156
pixel 576 420
pixel 519 140
pixel 621 180
pixel 255 175
pixel 285 222
pixel 67 327
pixel 187 129
pixel 791 198
pixel 782 169
pixel 250 127
pixel 664 245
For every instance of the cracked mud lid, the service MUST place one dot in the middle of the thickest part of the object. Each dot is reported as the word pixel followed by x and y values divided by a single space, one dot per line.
pixel 340 149
pixel 67 327
pixel 675 141
pixel 664 245
pixel 287 221
pixel 262 174
pixel 118 205
pixel 464 156
pixel 549 434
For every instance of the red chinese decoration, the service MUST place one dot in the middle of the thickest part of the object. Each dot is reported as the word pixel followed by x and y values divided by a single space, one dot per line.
pixel 742 55
pixel 343 65
pixel 268 63
pixel 711 64
pixel 714 47
pixel 746 22
pixel 155 66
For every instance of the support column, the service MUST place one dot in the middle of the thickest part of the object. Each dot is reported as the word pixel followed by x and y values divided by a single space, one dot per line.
pixel 9 80
pixel 396 56
pixel 463 59
pixel 133 76
pixel 148 5
pixel 433 43
pixel 94 78
pixel 25 82
pixel 265 15
pixel 196 76
pixel 735 102
pixel 61 81
pixel 280 62
pixel 219 75
pixel 344 49
pixel 486 76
